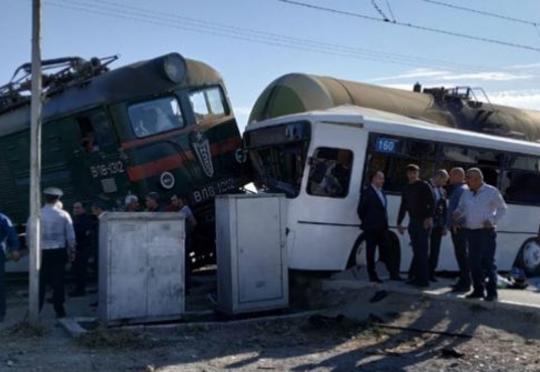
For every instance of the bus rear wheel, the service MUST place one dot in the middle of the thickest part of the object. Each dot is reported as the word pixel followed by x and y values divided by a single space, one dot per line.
pixel 359 247
pixel 528 257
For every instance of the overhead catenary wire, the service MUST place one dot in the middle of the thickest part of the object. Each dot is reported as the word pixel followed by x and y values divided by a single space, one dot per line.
pixel 215 29
pixel 534 24
pixel 134 13
pixel 482 12
pixel 412 25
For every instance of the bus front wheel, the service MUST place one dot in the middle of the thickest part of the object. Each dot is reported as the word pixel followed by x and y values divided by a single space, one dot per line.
pixel 392 256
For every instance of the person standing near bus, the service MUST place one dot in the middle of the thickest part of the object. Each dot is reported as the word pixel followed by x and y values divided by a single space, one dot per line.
pixel 438 181
pixel 9 242
pixel 190 225
pixel 373 214
pixel 152 202
pixel 175 204
pixel 98 208
pixel 480 209
pixel 57 244
pixel 457 232
pixel 131 203
pixel 83 225
pixel 418 202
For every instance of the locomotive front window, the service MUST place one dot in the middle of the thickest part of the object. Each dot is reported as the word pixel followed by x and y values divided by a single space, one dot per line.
pixel 208 103
pixel 155 116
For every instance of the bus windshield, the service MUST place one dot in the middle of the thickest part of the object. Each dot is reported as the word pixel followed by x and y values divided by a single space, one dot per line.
pixel 279 156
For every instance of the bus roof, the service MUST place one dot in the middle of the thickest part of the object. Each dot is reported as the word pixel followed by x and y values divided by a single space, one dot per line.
pixel 386 122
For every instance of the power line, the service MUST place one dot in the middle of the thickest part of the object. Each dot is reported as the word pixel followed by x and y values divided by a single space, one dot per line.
pixel 482 12
pixel 535 25
pixel 411 25
pixel 133 13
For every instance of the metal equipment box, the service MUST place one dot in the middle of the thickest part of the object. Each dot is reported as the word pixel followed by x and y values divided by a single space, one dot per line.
pixel 141 267
pixel 251 253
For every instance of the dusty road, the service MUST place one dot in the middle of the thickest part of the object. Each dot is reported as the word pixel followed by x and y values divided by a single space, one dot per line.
pixel 474 339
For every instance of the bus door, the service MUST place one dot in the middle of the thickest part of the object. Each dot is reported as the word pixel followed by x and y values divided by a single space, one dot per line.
pixel 101 166
pixel 325 212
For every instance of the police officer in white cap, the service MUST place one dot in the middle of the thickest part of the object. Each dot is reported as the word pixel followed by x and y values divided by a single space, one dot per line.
pixel 57 244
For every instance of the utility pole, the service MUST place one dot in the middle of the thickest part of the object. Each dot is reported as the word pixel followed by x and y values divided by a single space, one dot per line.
pixel 35 167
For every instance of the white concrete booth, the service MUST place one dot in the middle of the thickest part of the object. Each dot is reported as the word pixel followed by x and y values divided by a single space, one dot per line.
pixel 141 267
pixel 251 253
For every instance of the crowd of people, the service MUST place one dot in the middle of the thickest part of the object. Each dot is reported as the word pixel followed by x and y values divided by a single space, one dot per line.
pixel 65 239
pixel 458 203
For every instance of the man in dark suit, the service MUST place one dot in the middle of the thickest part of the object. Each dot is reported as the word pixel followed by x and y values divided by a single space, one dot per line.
pixel 438 182
pixel 372 213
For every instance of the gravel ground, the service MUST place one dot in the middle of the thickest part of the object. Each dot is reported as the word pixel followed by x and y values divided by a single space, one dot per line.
pixel 475 339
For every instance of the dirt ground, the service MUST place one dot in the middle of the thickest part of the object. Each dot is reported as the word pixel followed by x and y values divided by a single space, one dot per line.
pixel 397 332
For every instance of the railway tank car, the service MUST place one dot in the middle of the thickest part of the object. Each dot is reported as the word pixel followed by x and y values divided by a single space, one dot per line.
pixel 459 107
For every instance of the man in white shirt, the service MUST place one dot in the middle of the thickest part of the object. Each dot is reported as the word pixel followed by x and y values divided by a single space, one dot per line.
pixel 57 244
pixel 480 209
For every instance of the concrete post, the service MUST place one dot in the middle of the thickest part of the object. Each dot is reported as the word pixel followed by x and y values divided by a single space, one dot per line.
pixel 35 167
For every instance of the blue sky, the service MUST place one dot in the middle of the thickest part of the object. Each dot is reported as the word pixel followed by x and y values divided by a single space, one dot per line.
pixel 311 41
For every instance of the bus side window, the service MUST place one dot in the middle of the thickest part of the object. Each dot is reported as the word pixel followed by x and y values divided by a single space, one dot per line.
pixel 392 155
pixel 95 131
pixel 467 157
pixel 521 183
pixel 330 172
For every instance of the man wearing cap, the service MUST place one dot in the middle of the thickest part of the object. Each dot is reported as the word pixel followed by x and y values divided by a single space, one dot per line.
pixel 57 243
pixel 418 201
pixel 9 242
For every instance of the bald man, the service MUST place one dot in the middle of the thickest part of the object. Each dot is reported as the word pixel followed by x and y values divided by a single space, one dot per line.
pixel 479 210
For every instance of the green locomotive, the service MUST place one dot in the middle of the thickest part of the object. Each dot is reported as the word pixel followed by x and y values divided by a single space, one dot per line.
pixel 163 124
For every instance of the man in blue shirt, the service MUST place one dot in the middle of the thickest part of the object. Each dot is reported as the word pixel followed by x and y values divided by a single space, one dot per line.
pixel 10 244
pixel 459 239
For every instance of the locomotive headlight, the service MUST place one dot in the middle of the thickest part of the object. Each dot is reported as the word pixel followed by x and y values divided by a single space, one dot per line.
pixel 174 67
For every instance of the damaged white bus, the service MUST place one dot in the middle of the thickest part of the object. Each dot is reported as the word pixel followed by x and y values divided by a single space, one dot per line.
pixel 320 159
